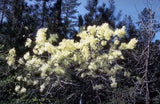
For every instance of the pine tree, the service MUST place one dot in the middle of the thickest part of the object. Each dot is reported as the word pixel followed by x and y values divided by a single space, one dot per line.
pixel 108 14
pixel 101 14
pixel 90 18
pixel 69 19
pixel 3 9
pixel 57 12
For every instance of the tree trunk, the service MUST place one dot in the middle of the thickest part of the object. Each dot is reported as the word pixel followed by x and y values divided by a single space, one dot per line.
pixel 150 33
pixel 146 73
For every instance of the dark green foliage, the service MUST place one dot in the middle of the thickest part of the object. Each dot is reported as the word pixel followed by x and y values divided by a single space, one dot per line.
pixel 101 14
pixel 20 20
pixel 90 18
pixel 69 20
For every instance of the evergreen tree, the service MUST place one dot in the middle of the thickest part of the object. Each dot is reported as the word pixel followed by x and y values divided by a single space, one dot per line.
pixel 107 14
pixel 80 21
pixel 69 19
pixel 56 25
pixel 91 17
pixel 102 14
pixel 3 8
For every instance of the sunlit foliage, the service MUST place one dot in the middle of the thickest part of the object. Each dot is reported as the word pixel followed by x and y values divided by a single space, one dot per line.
pixel 96 54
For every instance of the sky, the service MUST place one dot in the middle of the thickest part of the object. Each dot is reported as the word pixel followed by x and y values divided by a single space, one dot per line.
pixel 128 7
pixel 134 7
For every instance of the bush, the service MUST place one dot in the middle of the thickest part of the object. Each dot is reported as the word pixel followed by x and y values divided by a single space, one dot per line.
pixel 72 69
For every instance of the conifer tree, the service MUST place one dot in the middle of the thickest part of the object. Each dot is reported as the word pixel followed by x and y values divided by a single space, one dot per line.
pixel 57 25
pixel 69 20
pixel 101 14
pixel 91 17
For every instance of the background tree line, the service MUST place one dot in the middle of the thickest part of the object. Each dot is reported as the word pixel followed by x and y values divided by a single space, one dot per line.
pixel 19 20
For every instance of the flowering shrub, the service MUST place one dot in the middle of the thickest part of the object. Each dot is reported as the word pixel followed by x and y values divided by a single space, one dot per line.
pixel 95 55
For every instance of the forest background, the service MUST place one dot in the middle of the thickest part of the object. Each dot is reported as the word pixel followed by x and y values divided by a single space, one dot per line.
pixel 139 80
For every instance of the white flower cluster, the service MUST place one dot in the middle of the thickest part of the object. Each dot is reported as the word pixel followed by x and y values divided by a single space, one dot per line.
pixel 27 56
pixel 114 83
pixel 28 42
pixel 130 45
pixel 89 55
pixel 41 36
pixel 98 87
pixel 42 87
pixel 19 89
pixel 120 32
pixel 11 57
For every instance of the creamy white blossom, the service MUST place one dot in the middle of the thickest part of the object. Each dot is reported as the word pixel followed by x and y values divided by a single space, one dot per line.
pixel 120 32
pixel 49 47
pixel 17 88
pixel 23 90
pixel 11 57
pixel 20 61
pixel 53 38
pixel 27 56
pixel 19 78
pixel 132 43
pixel 10 60
pixel 98 87
pixel 35 82
pixel 42 87
pixel 91 29
pixel 28 42
pixel 103 43
pixel 41 36
pixel 96 53
pixel 12 52
pixel 127 74
pixel 114 83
